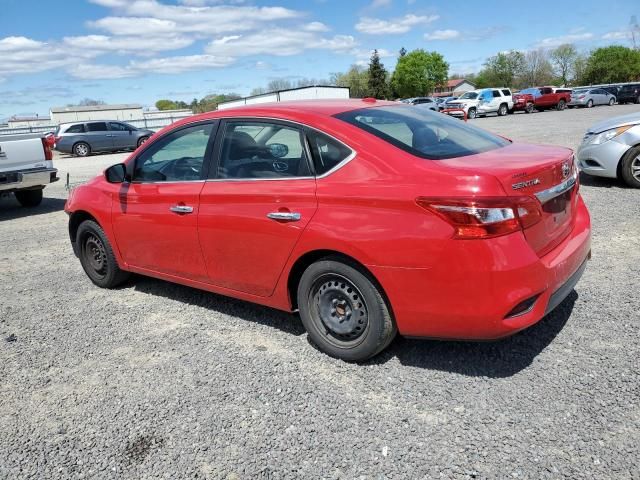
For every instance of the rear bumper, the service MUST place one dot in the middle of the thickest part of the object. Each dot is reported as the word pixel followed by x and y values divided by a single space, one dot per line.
pixel 470 293
pixel 26 179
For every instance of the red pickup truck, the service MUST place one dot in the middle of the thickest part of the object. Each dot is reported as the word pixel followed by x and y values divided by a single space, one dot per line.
pixel 541 98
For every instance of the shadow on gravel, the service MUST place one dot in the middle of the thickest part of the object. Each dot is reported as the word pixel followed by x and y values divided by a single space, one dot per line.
pixel 602 182
pixel 499 359
pixel 11 209
pixel 269 317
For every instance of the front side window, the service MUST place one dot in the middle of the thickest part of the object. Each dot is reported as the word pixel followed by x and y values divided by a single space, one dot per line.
pixel 261 150
pixel 119 127
pixel 423 133
pixel 97 127
pixel 327 152
pixel 176 157
pixel 469 95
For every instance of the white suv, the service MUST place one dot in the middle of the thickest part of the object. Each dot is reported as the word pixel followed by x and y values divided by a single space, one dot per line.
pixel 484 101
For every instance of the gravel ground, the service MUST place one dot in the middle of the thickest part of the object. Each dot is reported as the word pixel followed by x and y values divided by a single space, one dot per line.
pixel 155 380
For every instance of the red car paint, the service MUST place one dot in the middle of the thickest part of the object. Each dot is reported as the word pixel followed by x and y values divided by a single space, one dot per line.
pixel 548 97
pixel 370 210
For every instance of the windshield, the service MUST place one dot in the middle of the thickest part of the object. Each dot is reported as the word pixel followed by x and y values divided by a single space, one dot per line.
pixel 470 95
pixel 422 132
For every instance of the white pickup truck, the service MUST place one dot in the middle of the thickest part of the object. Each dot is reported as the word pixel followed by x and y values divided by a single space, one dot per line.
pixel 26 167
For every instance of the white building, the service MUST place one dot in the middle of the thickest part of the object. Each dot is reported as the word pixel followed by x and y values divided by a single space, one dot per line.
pixel 96 112
pixel 28 122
pixel 303 93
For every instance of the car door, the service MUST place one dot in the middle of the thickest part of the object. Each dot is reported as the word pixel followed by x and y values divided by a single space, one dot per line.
pixel 546 98
pixel 601 96
pixel 260 198
pixel 155 215
pixel 121 136
pixel 98 136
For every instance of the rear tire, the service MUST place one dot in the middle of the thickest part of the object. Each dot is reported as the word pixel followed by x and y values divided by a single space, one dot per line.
pixel 529 108
pixel 142 140
pixel 503 110
pixel 343 310
pixel 561 105
pixel 630 168
pixel 96 256
pixel 590 104
pixel 81 149
pixel 29 198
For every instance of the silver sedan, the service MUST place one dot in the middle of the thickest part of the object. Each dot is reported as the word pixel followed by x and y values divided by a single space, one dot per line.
pixel 588 97
pixel 612 149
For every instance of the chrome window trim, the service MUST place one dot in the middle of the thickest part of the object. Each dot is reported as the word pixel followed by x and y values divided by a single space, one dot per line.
pixel 133 182
pixel 552 192
pixel 338 166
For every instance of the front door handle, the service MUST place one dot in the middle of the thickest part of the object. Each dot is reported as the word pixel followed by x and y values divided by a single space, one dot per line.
pixel 182 209
pixel 284 216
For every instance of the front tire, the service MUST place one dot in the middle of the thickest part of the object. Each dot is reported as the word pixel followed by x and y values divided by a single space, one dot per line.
pixel 611 102
pixel 529 108
pixel 471 114
pixel 96 256
pixel 81 149
pixel 29 198
pixel 343 311
pixel 142 140
pixel 630 168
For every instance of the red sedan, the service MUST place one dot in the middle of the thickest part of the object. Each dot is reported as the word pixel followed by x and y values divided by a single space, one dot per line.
pixel 367 217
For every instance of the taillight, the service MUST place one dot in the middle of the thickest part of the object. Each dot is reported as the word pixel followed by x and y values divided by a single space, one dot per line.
pixel 48 154
pixel 484 217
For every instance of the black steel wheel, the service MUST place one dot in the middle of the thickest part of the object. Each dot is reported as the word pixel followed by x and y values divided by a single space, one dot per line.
pixel 344 311
pixel 96 256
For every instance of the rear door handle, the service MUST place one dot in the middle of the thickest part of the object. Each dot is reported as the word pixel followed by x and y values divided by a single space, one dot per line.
pixel 284 216
pixel 181 209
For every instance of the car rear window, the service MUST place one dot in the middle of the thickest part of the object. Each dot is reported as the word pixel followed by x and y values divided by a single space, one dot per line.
pixel 423 133
pixel 78 128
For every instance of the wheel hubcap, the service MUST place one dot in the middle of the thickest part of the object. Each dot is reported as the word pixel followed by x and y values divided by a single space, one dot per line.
pixel 635 168
pixel 340 308
pixel 81 150
pixel 95 254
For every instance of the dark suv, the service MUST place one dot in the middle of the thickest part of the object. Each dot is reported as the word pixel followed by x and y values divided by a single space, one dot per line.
pixel 82 138
pixel 629 93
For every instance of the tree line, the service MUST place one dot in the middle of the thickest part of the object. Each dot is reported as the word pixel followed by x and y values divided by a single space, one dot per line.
pixel 420 72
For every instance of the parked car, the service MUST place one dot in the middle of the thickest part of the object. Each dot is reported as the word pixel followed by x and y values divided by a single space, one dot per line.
pixel 83 138
pixel 611 148
pixel 443 100
pixel 393 219
pixel 483 102
pixel 629 93
pixel 428 102
pixel 588 97
pixel 26 167
pixel 612 89
pixel 541 98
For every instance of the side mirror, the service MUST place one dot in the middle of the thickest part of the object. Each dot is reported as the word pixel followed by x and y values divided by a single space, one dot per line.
pixel 278 150
pixel 116 173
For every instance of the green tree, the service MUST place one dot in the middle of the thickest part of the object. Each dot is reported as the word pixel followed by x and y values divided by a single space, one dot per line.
pixel 165 104
pixel 612 64
pixel 502 69
pixel 418 73
pixel 563 59
pixel 356 78
pixel 377 81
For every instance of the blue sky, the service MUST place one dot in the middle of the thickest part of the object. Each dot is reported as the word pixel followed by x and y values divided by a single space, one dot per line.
pixel 138 51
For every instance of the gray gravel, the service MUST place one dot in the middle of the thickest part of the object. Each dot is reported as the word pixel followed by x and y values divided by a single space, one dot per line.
pixel 156 380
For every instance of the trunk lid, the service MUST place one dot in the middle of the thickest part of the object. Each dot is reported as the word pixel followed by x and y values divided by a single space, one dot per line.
pixel 534 171
pixel 21 152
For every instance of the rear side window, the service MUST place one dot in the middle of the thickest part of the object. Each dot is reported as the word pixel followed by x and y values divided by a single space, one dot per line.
pixel 97 127
pixel 506 93
pixel 496 94
pixel 78 128
pixel 327 153
pixel 423 133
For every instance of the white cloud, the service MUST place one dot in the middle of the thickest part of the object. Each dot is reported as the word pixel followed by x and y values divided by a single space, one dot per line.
pixel 378 26
pixel 442 35
pixel 137 45
pixel 316 27
pixel 278 42
pixel 570 38
pixel 24 55
pixel 617 35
